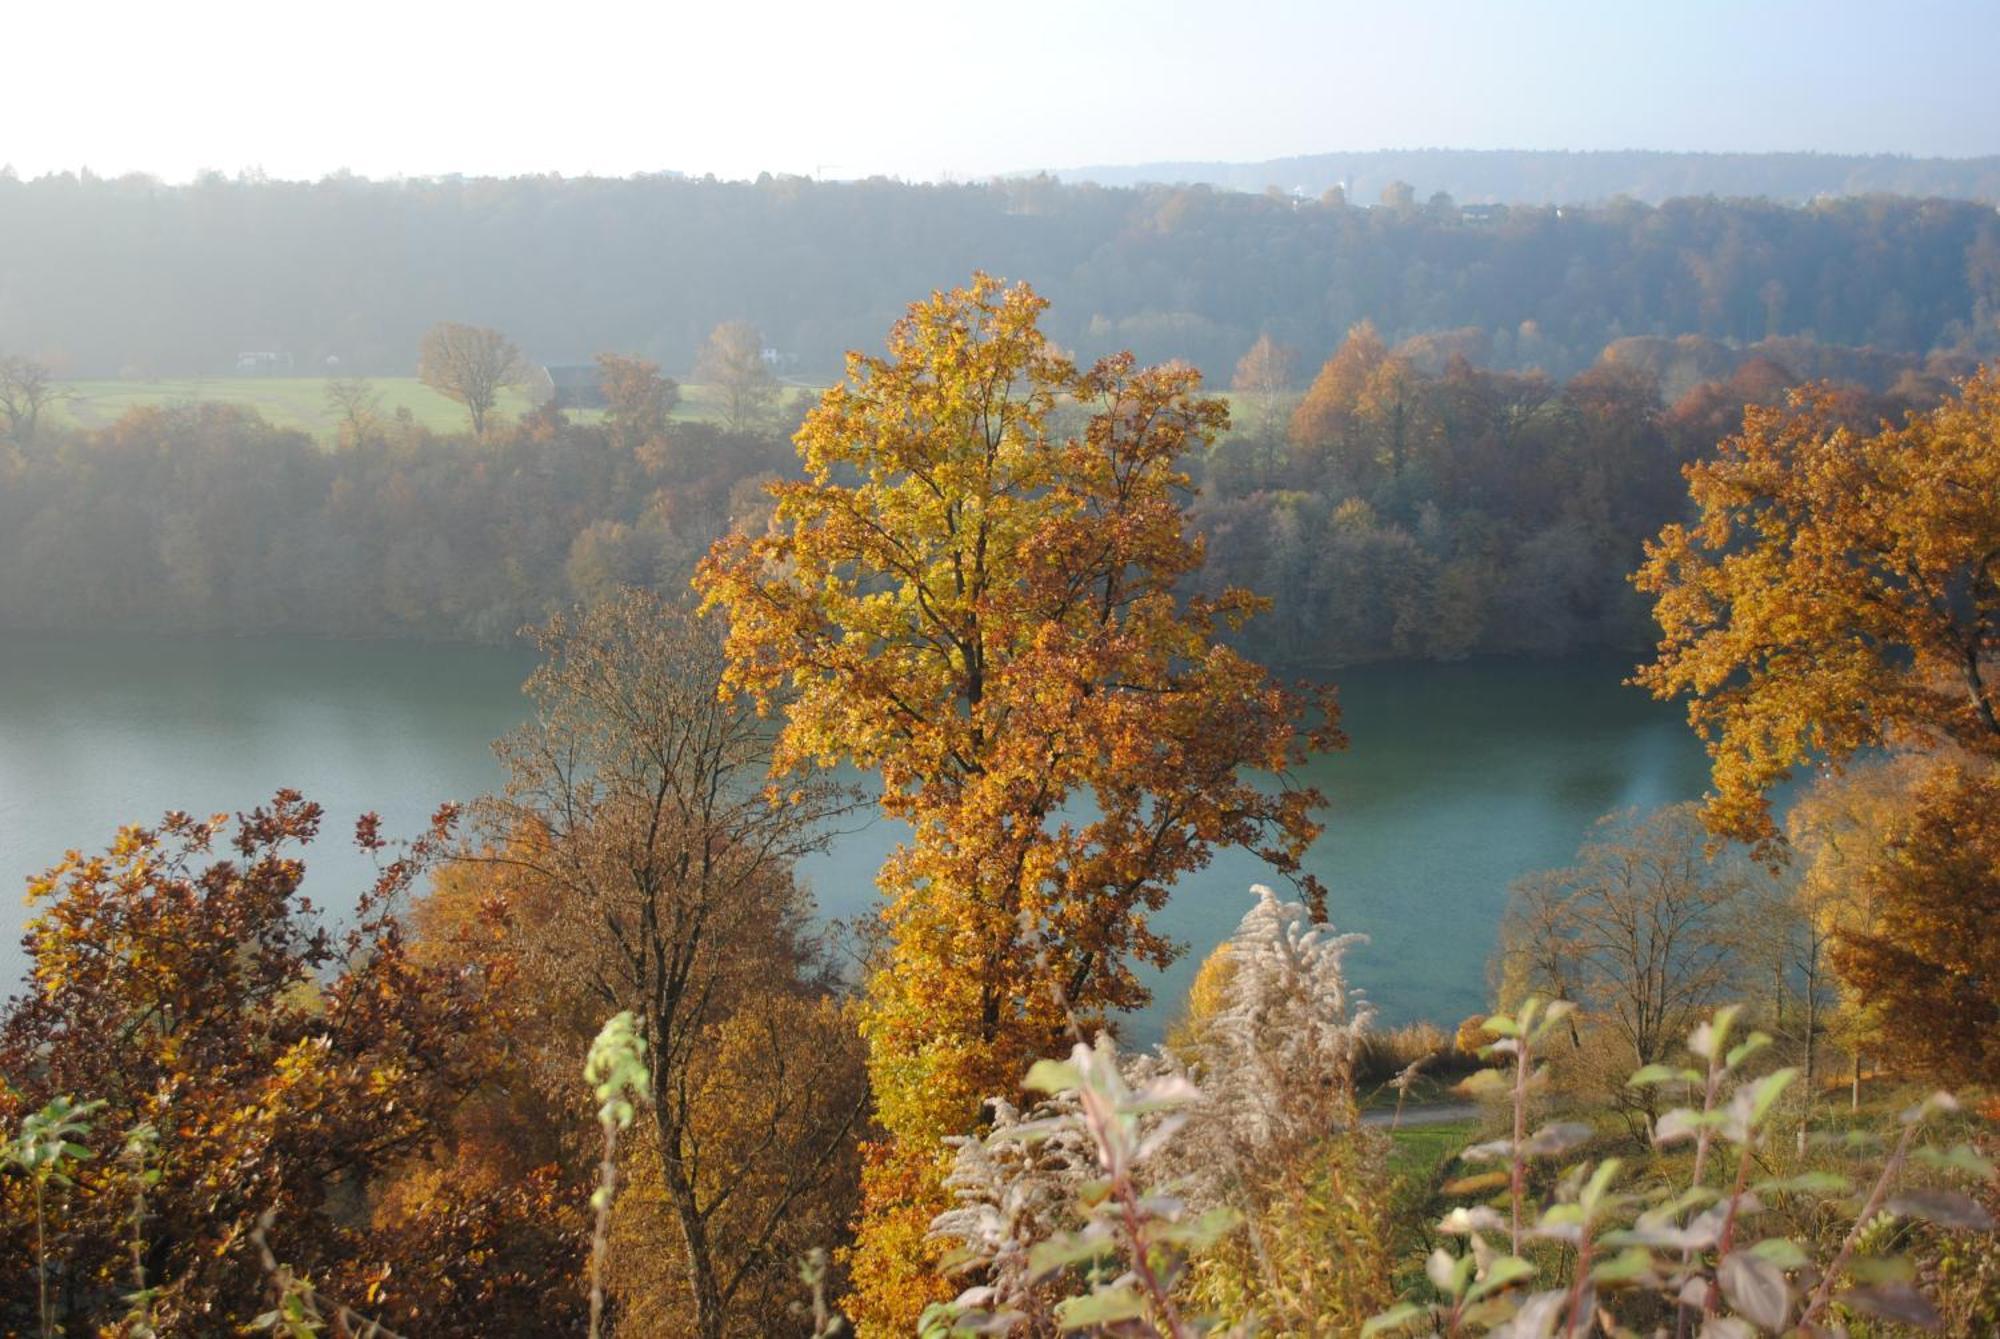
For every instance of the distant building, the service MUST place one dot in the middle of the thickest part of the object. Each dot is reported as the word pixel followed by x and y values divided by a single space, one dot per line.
pixel 263 363
pixel 574 386
pixel 1483 213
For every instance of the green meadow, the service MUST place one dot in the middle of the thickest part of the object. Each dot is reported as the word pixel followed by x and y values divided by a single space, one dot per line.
pixel 300 402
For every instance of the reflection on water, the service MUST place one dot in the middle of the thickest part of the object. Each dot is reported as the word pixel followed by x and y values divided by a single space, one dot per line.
pixel 1459 778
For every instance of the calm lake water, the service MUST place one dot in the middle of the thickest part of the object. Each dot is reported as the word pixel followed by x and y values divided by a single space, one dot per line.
pixel 1459 778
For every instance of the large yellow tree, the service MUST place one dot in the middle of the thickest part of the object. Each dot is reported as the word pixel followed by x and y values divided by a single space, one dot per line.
pixel 1839 591
pixel 973 593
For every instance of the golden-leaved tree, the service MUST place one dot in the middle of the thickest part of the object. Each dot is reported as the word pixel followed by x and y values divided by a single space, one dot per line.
pixel 1325 427
pixel 1902 879
pixel 1839 591
pixel 973 594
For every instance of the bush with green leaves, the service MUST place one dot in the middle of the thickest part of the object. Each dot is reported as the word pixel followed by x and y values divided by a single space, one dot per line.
pixel 1090 1210
pixel 1651 1258
pixel 46 1150
pixel 1132 1240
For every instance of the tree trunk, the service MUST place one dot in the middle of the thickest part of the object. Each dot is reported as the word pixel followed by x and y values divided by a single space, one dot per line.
pixel 1812 1022
pixel 700 1260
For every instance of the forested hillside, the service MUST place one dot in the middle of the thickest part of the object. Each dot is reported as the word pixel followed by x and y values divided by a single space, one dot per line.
pixel 1553 177
pixel 130 277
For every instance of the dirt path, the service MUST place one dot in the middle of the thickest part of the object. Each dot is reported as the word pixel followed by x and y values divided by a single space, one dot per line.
pixel 1422 1113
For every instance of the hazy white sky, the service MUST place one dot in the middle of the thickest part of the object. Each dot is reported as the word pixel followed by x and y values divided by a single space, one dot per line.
pixel 300 88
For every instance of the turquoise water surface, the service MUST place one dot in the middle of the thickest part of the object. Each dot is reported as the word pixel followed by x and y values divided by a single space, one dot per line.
pixel 1460 778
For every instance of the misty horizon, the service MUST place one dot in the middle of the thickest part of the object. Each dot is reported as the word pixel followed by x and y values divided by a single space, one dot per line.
pixel 418 91
pixel 1077 171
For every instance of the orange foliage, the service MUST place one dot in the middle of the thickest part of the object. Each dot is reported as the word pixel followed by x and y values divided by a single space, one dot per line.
pixel 973 593
pixel 1324 425
pixel 1839 591
pixel 1927 954
pixel 283 1068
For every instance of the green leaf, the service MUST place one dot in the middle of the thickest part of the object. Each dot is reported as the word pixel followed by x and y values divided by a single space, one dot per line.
pixel 1502 1272
pixel 1552 1014
pixel 1709 1036
pixel 1484 1083
pixel 1562 1221
pixel 1807 1183
pixel 1107 1306
pixel 1647 1075
pixel 1053 1076
pixel 1873 1269
pixel 1746 1048
pixel 1600 1181
pixel 1632 1265
pixel 1202 1231
pixel 1060 1252
pixel 1448 1272
pixel 1768 1090
pixel 1781 1252
pixel 1395 1318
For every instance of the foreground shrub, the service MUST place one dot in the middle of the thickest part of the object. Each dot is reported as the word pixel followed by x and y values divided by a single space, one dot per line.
pixel 1240 1152
pixel 1640 1255
pixel 288 1075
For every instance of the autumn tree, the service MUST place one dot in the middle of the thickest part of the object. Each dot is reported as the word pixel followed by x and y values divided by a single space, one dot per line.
pixel 27 389
pixel 1639 933
pixel 470 364
pixel 357 406
pixel 1784 934
pixel 283 1069
pixel 983 610
pixel 732 362
pixel 638 400
pixel 1325 426
pixel 1839 591
pixel 1264 376
pixel 1394 423
pixel 1902 876
pixel 640 862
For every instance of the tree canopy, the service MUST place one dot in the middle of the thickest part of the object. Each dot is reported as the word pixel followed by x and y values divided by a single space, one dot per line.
pixel 973 593
pixel 1840 590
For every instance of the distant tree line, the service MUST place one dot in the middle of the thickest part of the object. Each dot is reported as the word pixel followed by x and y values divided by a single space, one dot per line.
pixel 1412 504
pixel 207 517
pixel 1558 176
pixel 130 277
pixel 1409 503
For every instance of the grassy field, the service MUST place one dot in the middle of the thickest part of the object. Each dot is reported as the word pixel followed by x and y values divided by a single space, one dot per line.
pixel 1420 1153
pixel 300 402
